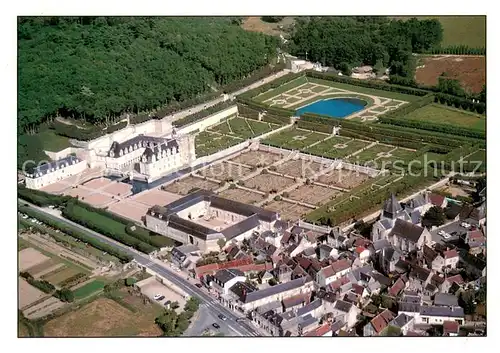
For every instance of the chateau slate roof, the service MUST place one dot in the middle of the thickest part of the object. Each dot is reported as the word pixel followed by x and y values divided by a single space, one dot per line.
pixel 445 311
pixel 47 167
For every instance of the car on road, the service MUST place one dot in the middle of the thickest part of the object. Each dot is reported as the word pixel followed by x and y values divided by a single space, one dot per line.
pixel 446 236
pixel 159 297
pixel 465 225
pixel 199 285
pixel 441 232
pixel 222 317
pixel 216 325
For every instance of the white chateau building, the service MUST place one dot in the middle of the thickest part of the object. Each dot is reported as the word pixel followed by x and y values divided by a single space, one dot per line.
pixel 151 156
pixel 53 172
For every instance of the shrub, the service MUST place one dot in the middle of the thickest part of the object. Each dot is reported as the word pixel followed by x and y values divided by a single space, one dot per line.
pixel 130 281
pixel 277 198
pixel 64 295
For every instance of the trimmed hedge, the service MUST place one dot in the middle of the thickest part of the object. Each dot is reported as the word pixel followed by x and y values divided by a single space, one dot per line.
pixel 456 50
pixel 460 103
pixel 276 119
pixel 73 280
pixel 202 114
pixel 427 125
pixel 44 286
pixel 112 229
pixel 86 134
pixel 78 234
pixel 41 198
pixel 314 127
pixel 366 83
pixel 248 112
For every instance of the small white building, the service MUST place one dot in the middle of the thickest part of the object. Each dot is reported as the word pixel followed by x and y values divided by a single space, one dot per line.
pixel 53 172
pixel 226 278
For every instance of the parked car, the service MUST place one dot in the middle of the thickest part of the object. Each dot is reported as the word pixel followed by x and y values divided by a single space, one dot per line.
pixel 159 297
pixel 465 225
pixel 216 325
pixel 441 233
pixel 446 236
pixel 199 285
pixel 222 317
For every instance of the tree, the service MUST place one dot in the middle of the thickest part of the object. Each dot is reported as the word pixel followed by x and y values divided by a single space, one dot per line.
pixel 466 301
pixel 192 304
pixel 449 85
pixel 433 217
pixel 221 242
pixel 130 281
pixel 272 19
pixel 272 282
pixel 174 305
pixel 65 295
pixel 481 294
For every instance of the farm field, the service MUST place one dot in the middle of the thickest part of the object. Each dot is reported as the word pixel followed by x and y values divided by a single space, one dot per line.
pixel 332 148
pixel 241 195
pixel 104 317
pixel 60 274
pixel 295 139
pixel 446 115
pixel 88 289
pixel 299 168
pixel 469 70
pixel 313 194
pixel 343 178
pixel 288 210
pixel 268 182
pixel 255 24
pixel 225 171
pixel 460 30
pixel 186 185
pixel 257 158
pixel 207 143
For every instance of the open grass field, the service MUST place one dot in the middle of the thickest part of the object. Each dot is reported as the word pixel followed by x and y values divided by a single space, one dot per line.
pixel 460 30
pixel 296 139
pixel 88 289
pixel 332 148
pixel 445 115
pixel 207 143
pixel 105 318
pixel 255 24
pixel 51 141
pixel 60 274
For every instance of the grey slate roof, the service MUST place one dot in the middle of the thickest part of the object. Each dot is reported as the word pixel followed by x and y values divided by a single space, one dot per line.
pixel 225 275
pixel 445 299
pixel 309 307
pixel 337 325
pixel 406 230
pixel 380 244
pixel 342 306
pixel 392 206
pixel 279 288
pixel 401 320
pixel 241 227
pixel 307 321
pixel 47 167
pixel 442 311
pixel 418 201
pixel 416 217
pixel 142 141
pixel 409 307
pixel 386 223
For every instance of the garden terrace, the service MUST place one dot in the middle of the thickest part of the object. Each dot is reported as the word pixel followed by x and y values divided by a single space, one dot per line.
pixel 225 171
pixel 207 143
pixel 186 185
pixel 257 158
pixel 313 194
pixel 242 195
pixel 243 128
pixel 268 182
pixel 335 148
pixel 300 168
pixel 294 139
pixel 288 210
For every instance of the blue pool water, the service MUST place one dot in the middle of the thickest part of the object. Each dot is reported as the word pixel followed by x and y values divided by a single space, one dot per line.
pixel 336 107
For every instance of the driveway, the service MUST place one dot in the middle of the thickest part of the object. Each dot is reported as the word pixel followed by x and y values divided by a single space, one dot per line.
pixel 453 228
pixel 154 287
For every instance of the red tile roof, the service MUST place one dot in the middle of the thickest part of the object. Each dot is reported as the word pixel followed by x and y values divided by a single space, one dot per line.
pixel 397 287
pixel 359 242
pixel 381 321
pixel 356 288
pixel 413 334
pixel 451 327
pixel 450 254
pixel 456 279
pixel 341 265
pixel 360 249
pixel 320 331
pixel 236 264
pixel 436 200
pixel 475 234
pixel 339 283
pixel 303 262
pixel 328 271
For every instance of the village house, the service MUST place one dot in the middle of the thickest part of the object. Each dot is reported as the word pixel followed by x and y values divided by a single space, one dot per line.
pixel 378 323
pixel 437 315
pixel 327 251
pixel 451 259
pixel 388 258
pixel 362 254
pixel 404 322
pixel 438 200
pixel 225 279
pixel 445 299
pixel 451 328
pixel 407 237
pixel 433 259
pixel 410 303
pixel 344 311
pixel 333 272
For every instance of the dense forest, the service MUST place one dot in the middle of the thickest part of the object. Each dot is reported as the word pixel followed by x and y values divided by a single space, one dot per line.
pixel 344 42
pixel 96 68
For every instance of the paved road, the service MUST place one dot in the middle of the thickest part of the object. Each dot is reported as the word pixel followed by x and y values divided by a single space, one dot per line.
pixel 240 328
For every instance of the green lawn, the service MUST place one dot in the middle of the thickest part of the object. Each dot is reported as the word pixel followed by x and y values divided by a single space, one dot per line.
pixel 281 89
pixel 88 289
pixel 207 143
pixel 364 90
pixel 460 30
pixel 445 115
pixel 327 149
pixel 371 153
pixel 286 139
pixel 51 141
pixel 243 128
